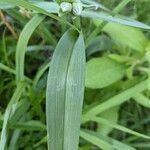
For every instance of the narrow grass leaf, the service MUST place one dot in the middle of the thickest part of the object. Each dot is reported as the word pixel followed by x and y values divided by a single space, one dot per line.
pixel 115 100
pixel 9 111
pixel 65 89
pixel 95 140
pixel 117 145
pixel 117 19
pixel 119 127
pixel 4 5
pixel 142 100
pixel 22 45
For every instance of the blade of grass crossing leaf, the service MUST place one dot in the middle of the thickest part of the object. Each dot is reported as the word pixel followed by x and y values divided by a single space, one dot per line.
pixel 22 45
pixel 119 127
pixel 65 88
pixel 117 145
pixel 9 111
pixel 95 140
pixel 143 100
pixel 115 100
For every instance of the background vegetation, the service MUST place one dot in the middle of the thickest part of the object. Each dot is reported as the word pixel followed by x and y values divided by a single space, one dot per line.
pixel 116 106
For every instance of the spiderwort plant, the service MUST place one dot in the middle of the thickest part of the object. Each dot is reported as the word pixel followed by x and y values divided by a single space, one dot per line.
pixel 66 77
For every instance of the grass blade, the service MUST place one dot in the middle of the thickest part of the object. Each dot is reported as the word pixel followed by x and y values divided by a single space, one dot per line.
pixel 119 127
pixel 9 111
pixel 114 101
pixel 65 92
pixel 117 19
pixel 22 45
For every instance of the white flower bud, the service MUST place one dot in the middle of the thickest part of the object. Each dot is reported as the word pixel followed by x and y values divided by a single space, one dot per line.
pixel 66 7
pixel 77 8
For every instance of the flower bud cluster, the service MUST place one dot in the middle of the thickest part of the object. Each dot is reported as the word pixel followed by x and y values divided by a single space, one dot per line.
pixel 75 7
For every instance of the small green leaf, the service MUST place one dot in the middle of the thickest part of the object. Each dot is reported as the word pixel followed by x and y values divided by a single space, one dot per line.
pixel 101 72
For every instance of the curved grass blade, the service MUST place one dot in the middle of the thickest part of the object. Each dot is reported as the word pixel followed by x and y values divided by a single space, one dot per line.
pixel 118 19
pixel 22 45
pixel 115 100
pixel 65 89
pixel 9 111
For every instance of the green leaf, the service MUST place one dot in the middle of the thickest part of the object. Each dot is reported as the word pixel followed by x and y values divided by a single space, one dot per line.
pixel 65 90
pixel 115 100
pixel 142 100
pixel 111 115
pixel 22 45
pixel 127 37
pixel 95 140
pixel 118 127
pixel 101 72
pixel 118 19
pixel 9 112
pixel 31 6
pixel 104 142
pixel 4 5
pixel 50 7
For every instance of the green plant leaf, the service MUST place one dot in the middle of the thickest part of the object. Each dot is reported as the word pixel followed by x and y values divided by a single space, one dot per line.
pixel 101 72
pixel 9 112
pixel 127 37
pixel 112 115
pixel 95 140
pixel 117 19
pixel 22 45
pixel 50 7
pixel 142 100
pixel 115 100
pixel 65 89
pixel 118 127
pixel 104 142
pixel 4 5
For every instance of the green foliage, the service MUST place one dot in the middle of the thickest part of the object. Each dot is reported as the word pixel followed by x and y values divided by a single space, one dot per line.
pixel 56 64
pixel 101 72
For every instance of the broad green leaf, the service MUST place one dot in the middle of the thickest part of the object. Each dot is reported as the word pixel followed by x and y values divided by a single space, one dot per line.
pixel 10 110
pixel 115 100
pixel 65 89
pixel 22 45
pixel 98 140
pixel 142 100
pixel 118 127
pixel 102 72
pixel 119 19
pixel 127 37
pixel 4 5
